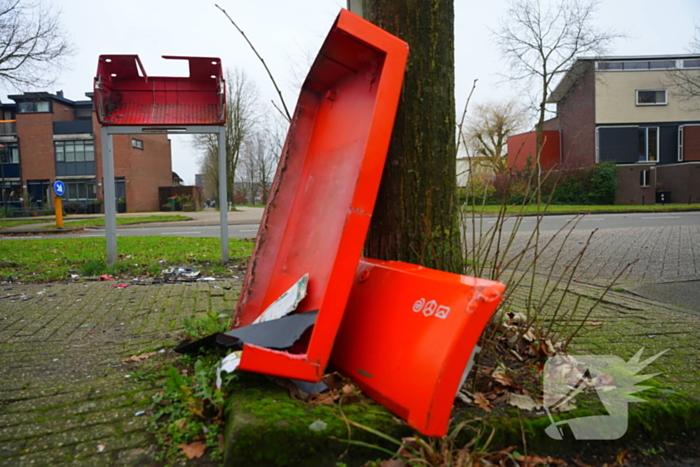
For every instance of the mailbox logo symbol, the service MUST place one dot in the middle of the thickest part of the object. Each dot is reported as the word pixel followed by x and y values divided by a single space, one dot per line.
pixel 431 308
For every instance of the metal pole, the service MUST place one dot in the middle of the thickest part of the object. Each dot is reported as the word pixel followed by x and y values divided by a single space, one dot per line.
pixel 2 168
pixel 223 197
pixel 109 196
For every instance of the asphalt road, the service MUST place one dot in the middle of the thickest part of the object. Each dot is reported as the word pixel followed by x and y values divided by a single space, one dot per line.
pixel 179 229
pixel 548 223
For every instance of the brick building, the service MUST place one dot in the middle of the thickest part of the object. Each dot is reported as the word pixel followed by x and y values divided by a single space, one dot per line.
pixel 630 111
pixel 47 137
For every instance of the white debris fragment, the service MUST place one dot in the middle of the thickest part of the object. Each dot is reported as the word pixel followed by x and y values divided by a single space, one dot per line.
pixel 287 302
pixel 229 365
pixel 100 447
pixel 318 425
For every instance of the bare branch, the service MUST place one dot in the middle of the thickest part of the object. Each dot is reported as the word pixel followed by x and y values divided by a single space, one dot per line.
pixel 269 73
pixel 32 44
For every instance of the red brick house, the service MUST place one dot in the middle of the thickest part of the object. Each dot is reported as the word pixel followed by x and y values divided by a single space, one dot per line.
pixel 628 110
pixel 47 137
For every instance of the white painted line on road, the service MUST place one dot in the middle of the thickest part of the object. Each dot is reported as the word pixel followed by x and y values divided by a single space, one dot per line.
pixel 179 233
pixel 594 218
pixel 87 236
pixel 660 217
pixel 248 230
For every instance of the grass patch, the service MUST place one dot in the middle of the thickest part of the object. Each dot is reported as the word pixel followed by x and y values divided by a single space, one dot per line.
pixel 579 209
pixel 93 222
pixel 28 260
pixel 4 224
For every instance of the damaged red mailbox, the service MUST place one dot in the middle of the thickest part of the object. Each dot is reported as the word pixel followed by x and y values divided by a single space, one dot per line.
pixel 407 336
pixel 126 95
pixel 316 220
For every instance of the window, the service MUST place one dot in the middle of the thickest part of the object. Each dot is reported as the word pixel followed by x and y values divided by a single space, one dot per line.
pixel 10 154
pixel 651 97
pixel 75 151
pixel 648 144
pixel 608 66
pixel 693 63
pixel 662 65
pixel 137 143
pixel 637 65
pixel 80 190
pixel 644 178
pixel 33 107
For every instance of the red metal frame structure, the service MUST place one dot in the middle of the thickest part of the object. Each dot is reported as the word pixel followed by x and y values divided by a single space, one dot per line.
pixel 324 192
pixel 407 336
pixel 128 101
pixel 128 96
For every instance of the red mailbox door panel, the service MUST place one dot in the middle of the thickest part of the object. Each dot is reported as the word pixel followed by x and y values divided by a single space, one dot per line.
pixel 407 335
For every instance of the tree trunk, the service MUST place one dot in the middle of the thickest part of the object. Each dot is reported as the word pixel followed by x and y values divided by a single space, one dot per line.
pixel 415 218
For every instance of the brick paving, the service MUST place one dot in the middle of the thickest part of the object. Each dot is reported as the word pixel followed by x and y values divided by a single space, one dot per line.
pixel 662 254
pixel 66 397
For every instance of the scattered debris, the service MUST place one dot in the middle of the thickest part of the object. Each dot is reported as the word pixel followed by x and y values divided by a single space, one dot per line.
pixel 100 447
pixel 286 303
pixel 229 365
pixel 120 286
pixel 139 413
pixel 106 277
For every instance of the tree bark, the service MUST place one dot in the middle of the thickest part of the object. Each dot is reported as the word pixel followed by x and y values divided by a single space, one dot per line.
pixel 415 217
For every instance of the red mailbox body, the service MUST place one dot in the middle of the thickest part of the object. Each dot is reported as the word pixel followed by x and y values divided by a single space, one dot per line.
pixel 321 202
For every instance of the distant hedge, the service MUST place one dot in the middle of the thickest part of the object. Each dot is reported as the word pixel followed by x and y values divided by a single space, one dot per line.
pixel 595 185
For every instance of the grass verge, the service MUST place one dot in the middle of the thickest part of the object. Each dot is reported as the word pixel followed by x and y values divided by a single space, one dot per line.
pixel 56 259
pixel 577 209
pixel 93 222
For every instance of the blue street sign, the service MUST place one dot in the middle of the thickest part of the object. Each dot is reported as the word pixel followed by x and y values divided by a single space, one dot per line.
pixel 59 187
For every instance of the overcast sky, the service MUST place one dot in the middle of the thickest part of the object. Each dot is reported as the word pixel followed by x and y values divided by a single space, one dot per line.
pixel 288 34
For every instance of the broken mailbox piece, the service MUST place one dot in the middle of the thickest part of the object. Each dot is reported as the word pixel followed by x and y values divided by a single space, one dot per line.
pixel 407 336
pixel 322 199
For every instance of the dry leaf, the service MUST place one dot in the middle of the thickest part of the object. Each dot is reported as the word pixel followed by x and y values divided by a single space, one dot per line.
pixel 621 457
pixel 502 378
pixel 481 402
pixel 193 450
pixel 523 401
pixel 138 358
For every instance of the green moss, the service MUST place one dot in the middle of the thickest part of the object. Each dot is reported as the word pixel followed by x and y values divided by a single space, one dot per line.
pixel 267 428
pixel 665 415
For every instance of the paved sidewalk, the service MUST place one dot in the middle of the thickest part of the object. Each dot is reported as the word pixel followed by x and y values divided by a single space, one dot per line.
pixel 66 397
pixel 662 254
